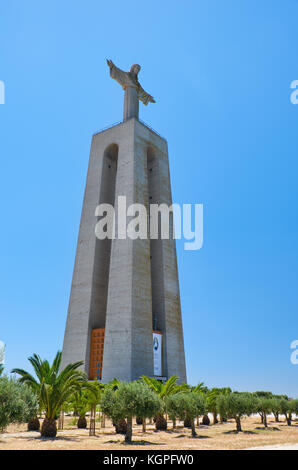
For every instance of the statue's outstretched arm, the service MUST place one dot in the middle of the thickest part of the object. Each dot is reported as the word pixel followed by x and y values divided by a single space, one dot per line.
pixel 117 74
pixel 144 96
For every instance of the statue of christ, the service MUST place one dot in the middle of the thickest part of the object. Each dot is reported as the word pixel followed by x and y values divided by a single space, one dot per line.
pixel 133 90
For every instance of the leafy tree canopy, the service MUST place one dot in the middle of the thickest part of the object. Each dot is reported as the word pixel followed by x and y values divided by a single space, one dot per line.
pixel 18 403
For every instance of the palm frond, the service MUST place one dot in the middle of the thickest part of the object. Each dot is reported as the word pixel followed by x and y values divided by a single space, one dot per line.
pixel 170 386
pixel 154 384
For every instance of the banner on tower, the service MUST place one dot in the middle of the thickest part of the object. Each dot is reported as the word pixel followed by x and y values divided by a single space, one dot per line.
pixel 157 353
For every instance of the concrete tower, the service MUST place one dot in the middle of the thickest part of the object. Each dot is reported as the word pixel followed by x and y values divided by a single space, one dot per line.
pixel 124 316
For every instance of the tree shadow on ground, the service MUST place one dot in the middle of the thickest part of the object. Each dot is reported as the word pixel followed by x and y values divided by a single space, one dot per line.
pixel 239 432
pixel 262 428
pixel 142 443
pixel 135 443
pixel 39 438
pixel 173 431
pixel 198 436
pixel 53 439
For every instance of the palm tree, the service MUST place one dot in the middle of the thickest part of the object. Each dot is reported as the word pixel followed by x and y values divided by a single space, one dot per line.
pixel 200 388
pixel 95 392
pixel 164 390
pixel 52 386
pixel 79 402
pixel 114 384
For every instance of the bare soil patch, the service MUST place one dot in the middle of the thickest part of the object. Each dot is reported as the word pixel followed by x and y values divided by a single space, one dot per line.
pixel 218 436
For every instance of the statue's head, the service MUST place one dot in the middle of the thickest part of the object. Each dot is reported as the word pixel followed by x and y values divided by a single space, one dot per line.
pixel 135 68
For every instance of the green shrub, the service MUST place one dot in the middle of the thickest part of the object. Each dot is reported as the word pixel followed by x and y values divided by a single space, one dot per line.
pixel 18 403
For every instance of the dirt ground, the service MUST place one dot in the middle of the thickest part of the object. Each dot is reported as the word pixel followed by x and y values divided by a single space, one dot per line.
pixel 219 436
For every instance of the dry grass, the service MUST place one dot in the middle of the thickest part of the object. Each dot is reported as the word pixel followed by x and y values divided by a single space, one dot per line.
pixel 219 436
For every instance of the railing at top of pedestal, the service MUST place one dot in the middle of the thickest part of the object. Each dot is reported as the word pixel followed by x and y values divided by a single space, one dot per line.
pixel 120 122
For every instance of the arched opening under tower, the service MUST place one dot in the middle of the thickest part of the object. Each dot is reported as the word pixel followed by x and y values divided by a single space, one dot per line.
pixel 100 282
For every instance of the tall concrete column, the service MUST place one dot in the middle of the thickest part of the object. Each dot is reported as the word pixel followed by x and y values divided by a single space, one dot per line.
pixel 121 285
pixel 131 103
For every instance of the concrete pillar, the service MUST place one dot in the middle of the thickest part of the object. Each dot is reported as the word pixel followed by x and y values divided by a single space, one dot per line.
pixel 120 285
pixel 131 103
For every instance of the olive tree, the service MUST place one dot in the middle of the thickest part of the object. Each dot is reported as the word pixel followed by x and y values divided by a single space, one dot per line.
pixel 236 405
pixel 171 404
pixel 294 406
pixel 261 394
pixel 276 407
pixel 128 401
pixel 211 399
pixel 287 408
pixel 18 403
pixel 264 407
pixel 110 406
pixel 186 406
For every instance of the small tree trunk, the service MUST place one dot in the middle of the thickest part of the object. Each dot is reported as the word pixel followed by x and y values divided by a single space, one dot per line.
pixel 262 418
pixel 144 425
pixel 265 420
pixel 289 419
pixel 174 423
pixel 92 421
pixel 276 415
pixel 128 434
pixel 215 420
pixel 61 420
pixel 238 424
pixel 198 421
pixel 103 420
pixel 193 429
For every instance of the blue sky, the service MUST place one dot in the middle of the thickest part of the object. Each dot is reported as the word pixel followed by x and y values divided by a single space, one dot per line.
pixel 220 73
